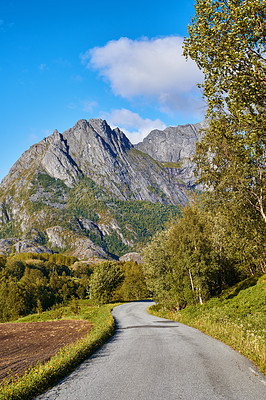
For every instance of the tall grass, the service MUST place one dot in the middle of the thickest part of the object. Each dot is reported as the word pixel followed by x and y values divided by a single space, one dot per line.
pixel 40 377
pixel 237 317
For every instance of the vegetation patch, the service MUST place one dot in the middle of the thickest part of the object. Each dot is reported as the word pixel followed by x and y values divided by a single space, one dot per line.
pixel 172 164
pixel 40 377
pixel 237 317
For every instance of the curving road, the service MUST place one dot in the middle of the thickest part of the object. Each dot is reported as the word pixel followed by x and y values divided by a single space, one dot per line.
pixel 150 358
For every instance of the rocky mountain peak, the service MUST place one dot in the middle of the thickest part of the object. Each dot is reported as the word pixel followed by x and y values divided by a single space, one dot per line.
pixel 173 143
pixel 100 126
pixel 175 147
pixel 81 186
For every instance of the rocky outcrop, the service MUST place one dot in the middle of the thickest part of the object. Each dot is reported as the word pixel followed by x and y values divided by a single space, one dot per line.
pixel 136 257
pixel 176 146
pixel 16 245
pixel 57 162
pixel 80 247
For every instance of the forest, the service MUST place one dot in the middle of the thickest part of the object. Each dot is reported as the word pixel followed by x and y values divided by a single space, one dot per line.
pixel 32 283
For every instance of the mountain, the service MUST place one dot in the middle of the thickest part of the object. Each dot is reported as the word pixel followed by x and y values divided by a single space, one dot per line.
pixel 90 193
pixel 173 147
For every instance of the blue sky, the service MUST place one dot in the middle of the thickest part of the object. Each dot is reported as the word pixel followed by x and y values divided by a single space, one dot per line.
pixel 65 60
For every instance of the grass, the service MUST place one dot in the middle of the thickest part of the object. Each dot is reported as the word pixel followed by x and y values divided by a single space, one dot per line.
pixel 41 377
pixel 237 317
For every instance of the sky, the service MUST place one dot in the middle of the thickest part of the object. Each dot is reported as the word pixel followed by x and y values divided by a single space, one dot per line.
pixel 65 60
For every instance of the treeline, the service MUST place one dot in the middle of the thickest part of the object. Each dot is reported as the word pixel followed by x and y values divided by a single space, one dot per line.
pixel 205 251
pixel 32 283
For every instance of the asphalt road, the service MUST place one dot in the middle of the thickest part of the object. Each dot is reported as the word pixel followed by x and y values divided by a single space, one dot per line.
pixel 151 358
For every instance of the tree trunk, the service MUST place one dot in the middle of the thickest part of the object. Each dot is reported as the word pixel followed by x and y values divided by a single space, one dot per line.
pixel 191 280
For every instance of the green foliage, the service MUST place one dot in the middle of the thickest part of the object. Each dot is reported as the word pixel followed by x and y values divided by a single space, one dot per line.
pixel 227 41
pixel 9 229
pixel 158 269
pixel 133 222
pixel 14 267
pixel 197 257
pixel 142 219
pixel 2 261
pixel 237 317
pixel 53 186
pixel 30 282
pixel 172 164
pixel 156 190
pixel 58 259
pixel 49 183
pixel 104 280
pixel 138 220
pixel 133 286
pixel 114 246
pixel 13 301
pixel 85 200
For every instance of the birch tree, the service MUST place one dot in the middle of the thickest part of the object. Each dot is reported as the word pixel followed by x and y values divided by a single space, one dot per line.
pixel 227 41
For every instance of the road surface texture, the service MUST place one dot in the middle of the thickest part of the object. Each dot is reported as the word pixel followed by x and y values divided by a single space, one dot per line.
pixel 151 358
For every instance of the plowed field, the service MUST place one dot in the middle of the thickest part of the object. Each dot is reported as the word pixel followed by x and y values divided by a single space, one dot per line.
pixel 24 344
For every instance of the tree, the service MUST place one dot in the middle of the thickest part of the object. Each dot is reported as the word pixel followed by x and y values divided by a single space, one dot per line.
pixel 15 267
pixel 104 280
pixel 158 269
pixel 195 259
pixel 133 286
pixel 227 41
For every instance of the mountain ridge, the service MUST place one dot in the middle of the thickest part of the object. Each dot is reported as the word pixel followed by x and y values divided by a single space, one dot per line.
pixel 86 173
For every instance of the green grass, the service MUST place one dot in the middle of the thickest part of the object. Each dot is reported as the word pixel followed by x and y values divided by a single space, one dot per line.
pixel 237 317
pixel 41 377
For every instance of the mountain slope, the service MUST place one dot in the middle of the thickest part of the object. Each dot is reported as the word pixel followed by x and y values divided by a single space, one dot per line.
pixel 87 191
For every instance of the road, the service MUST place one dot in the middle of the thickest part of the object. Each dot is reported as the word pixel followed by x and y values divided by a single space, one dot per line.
pixel 151 358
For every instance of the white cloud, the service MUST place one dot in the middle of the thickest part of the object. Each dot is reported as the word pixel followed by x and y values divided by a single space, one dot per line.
pixel 152 68
pixel 132 124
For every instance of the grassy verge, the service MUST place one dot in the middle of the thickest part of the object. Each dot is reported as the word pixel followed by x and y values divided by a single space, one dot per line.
pixel 43 376
pixel 237 317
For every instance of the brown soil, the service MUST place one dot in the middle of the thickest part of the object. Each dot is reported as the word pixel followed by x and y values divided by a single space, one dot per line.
pixel 24 344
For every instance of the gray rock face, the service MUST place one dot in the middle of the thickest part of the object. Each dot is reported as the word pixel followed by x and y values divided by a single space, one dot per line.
pixel 57 162
pixel 91 148
pixel 107 157
pixel 83 247
pixel 175 145
pixel 11 245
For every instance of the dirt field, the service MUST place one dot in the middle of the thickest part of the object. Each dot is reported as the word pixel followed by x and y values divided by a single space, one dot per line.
pixel 24 344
